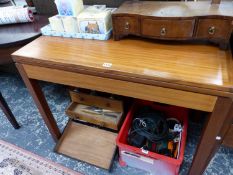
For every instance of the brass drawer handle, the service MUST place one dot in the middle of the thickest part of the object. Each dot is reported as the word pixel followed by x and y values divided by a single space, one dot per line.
pixel 127 26
pixel 163 31
pixel 211 30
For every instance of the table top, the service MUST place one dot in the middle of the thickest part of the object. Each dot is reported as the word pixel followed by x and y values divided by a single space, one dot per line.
pixel 21 33
pixel 202 66
pixel 176 9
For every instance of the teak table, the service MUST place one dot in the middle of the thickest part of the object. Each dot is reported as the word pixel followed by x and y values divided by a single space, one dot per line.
pixel 187 75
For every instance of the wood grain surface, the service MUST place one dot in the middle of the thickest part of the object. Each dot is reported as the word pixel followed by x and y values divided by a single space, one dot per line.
pixel 174 28
pixel 131 67
pixel 40 100
pixel 5 53
pixel 130 89
pixel 228 139
pixel 98 101
pixel 82 100
pixel 209 143
pixel 220 31
pixel 193 65
pixel 175 21
pixel 21 33
pixel 88 144
pixel 75 111
pixel 176 9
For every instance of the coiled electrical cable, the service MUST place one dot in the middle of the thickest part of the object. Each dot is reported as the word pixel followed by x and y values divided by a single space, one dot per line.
pixel 152 125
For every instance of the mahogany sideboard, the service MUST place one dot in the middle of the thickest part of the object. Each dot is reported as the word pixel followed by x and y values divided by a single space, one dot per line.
pixel 175 21
pixel 193 76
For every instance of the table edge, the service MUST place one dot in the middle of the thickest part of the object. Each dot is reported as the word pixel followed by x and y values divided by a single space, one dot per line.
pixel 187 86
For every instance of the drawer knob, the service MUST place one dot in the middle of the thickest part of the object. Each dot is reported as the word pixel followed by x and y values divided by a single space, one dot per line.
pixel 127 26
pixel 211 30
pixel 163 31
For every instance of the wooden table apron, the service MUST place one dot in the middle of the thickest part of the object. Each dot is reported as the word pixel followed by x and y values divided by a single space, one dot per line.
pixel 218 104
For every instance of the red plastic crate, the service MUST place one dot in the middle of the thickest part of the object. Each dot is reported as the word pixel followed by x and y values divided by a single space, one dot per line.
pixel 154 163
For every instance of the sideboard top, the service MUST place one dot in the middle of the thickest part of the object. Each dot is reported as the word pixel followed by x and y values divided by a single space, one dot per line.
pixel 176 9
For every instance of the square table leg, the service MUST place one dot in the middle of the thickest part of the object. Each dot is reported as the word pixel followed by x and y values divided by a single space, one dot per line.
pixel 212 135
pixel 8 113
pixel 39 98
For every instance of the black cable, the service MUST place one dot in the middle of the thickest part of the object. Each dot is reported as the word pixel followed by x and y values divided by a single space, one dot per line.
pixel 150 125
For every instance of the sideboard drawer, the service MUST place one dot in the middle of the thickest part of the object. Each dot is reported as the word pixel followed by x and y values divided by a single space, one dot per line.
pixel 126 25
pixel 213 28
pixel 167 28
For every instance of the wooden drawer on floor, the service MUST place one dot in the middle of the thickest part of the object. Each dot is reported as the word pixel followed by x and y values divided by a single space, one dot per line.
pixel 88 144
pixel 228 139
pixel 102 111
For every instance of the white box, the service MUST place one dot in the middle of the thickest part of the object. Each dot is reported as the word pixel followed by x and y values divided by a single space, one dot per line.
pixel 56 23
pixel 95 20
pixel 70 24
pixel 69 7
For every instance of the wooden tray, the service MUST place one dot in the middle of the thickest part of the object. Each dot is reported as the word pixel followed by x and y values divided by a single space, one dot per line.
pixel 76 110
pixel 88 144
